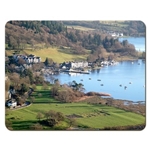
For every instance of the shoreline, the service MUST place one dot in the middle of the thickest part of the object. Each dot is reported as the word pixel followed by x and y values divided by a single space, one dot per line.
pixel 107 95
pixel 127 105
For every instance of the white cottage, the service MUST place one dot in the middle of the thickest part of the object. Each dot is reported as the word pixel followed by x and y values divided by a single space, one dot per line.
pixel 28 59
pixel 79 64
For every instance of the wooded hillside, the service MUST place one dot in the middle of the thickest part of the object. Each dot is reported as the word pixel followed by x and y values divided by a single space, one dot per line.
pixel 35 35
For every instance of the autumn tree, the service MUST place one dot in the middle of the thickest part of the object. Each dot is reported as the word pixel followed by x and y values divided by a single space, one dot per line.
pixel 72 122
pixel 38 79
pixel 36 126
pixel 39 116
pixel 111 56
pixel 54 89
pixel 34 86
pixel 8 124
pixel 7 86
pixel 32 98
pixel 91 58
pixel 63 96
pixel 29 73
pixel 23 89
pixel 48 62
pixel 53 117
pixel 20 100
pixel 33 42
pixel 37 67
pixel 12 42
pixel 45 86
pixel 15 80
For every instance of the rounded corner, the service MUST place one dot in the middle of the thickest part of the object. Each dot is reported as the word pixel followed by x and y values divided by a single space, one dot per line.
pixel 143 127
pixel 8 127
pixel 143 23
pixel 7 22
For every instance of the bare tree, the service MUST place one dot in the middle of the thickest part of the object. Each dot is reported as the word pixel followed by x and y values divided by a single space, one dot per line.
pixel 32 99
pixel 36 126
pixel 39 116
pixel 63 96
pixel 34 87
pixel 72 122
pixel 54 90
pixel 52 117
pixel 111 56
pixel 7 85
pixel 45 86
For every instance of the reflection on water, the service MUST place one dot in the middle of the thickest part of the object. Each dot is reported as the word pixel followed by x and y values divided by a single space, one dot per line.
pixel 123 81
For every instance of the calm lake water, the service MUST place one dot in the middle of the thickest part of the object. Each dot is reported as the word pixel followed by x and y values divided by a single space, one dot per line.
pixel 138 42
pixel 111 77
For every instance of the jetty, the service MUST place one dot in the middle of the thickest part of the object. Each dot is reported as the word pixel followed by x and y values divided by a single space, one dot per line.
pixel 77 71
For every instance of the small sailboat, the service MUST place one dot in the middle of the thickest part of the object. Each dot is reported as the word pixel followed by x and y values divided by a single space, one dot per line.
pixel 125 87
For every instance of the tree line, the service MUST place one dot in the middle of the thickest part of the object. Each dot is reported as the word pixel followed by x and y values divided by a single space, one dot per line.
pixel 129 28
pixel 22 34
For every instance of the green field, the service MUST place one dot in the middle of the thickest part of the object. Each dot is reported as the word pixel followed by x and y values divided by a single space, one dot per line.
pixel 82 28
pixel 117 25
pixel 91 116
pixel 52 52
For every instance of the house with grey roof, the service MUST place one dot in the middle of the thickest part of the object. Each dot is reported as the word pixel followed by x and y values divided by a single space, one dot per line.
pixel 28 59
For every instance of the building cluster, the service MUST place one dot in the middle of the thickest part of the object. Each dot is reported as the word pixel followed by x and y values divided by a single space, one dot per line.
pixel 106 63
pixel 27 59
pixel 79 64
pixel 115 34
pixel 74 65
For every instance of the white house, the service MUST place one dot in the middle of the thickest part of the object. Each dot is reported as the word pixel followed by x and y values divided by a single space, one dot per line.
pixel 11 103
pixel 81 64
pixel 115 34
pixel 28 59
pixel 121 34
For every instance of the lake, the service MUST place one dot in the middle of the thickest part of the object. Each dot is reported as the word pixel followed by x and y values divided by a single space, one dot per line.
pixel 138 42
pixel 114 79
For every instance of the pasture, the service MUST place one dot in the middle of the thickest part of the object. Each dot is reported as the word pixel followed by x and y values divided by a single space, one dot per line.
pixel 58 55
pixel 87 116
pixel 82 28
pixel 55 54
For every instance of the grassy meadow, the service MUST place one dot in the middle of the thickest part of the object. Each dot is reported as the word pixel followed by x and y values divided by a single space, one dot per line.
pixel 113 25
pixel 82 28
pixel 58 55
pixel 90 116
